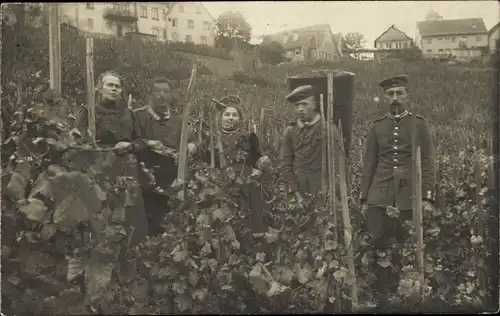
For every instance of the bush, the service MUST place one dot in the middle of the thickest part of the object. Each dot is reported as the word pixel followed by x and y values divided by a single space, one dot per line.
pixel 204 50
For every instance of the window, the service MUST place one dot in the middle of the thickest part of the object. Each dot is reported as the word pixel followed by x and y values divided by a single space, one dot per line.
pixel 155 13
pixel 429 51
pixel 479 38
pixel 440 50
pixel 164 14
pixel 189 38
pixel 295 37
pixel 440 40
pixel 190 24
pixel 175 22
pixel 90 24
pixel 165 34
pixel 175 37
pixel 144 11
pixel 206 26
pixel 453 39
pixel 119 31
pixel 285 38
pixel 204 40
pixel 181 8
pixel 90 5
pixel 429 41
pixel 297 52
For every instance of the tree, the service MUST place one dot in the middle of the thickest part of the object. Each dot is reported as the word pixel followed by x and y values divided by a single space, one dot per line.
pixel 272 53
pixel 354 40
pixel 232 29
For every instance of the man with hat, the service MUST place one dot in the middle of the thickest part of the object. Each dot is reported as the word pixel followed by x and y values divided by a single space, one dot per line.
pixel 386 181
pixel 161 126
pixel 302 145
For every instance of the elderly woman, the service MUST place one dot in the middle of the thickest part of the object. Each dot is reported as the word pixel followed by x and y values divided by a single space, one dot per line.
pixel 242 156
pixel 117 129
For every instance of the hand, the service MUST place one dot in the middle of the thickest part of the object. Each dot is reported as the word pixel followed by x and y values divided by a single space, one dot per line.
pixel 191 149
pixel 155 144
pixel 123 147
pixel 263 163
pixel 427 207
pixel 300 200
pixel 364 208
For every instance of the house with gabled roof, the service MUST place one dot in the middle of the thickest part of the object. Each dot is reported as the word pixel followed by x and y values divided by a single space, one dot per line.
pixel 461 37
pixel 494 37
pixel 316 42
pixel 391 40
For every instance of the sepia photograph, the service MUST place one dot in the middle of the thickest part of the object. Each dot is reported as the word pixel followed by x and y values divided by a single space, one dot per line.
pixel 250 157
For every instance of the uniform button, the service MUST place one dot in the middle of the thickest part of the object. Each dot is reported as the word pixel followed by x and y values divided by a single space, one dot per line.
pixel 396 127
pixel 396 134
pixel 395 167
pixel 395 140
pixel 395 160
pixel 395 147
pixel 396 153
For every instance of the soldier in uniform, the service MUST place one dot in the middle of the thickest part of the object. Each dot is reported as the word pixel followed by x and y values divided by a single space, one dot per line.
pixel 302 145
pixel 387 174
pixel 159 124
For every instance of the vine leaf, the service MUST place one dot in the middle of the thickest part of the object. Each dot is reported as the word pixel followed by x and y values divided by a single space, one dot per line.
pixel 34 209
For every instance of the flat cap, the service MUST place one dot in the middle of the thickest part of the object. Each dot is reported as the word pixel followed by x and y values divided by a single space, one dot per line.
pixel 396 81
pixel 300 93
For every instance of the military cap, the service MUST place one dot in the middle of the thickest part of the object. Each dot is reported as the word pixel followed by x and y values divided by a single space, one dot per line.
pixel 396 81
pixel 300 93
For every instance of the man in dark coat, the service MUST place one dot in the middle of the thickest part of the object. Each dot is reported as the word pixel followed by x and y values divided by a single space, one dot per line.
pixel 159 124
pixel 302 145
pixel 387 173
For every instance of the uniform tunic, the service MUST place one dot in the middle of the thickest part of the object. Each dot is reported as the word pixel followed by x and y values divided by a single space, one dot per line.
pixel 115 125
pixel 301 156
pixel 387 167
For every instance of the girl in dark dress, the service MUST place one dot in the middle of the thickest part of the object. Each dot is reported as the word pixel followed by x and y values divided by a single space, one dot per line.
pixel 242 155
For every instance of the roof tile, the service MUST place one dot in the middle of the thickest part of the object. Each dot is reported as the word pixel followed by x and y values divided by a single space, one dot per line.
pixel 452 27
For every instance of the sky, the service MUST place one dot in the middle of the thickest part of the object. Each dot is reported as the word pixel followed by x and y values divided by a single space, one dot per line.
pixel 370 18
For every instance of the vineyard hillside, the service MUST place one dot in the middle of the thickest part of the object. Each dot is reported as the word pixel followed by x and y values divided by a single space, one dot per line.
pixel 208 261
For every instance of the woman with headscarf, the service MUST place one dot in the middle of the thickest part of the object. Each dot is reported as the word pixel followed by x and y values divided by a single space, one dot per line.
pixel 116 128
pixel 242 157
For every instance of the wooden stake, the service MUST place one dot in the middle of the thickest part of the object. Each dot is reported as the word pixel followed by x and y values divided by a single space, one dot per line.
pixel 417 203
pixel 222 160
pixel 55 48
pixel 346 219
pixel 480 223
pixel 90 88
pixel 324 166
pixel 212 137
pixel 183 157
pixel 260 135
pixel 202 117
pixel 331 154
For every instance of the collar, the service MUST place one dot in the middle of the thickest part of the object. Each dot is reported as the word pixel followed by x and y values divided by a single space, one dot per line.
pixel 229 132
pixel 398 116
pixel 303 124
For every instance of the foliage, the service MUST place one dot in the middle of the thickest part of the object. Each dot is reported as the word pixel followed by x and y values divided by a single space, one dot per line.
pixel 272 53
pixel 354 40
pixel 208 260
pixel 232 28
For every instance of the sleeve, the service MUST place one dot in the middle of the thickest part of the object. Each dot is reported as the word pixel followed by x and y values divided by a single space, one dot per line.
pixel 428 159
pixel 287 158
pixel 370 162
pixel 81 122
pixel 139 141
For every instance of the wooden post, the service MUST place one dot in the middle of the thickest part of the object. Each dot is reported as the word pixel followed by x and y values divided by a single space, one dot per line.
pixel 261 125
pixel 202 117
pixel 54 48
pixel 220 145
pixel 183 157
pixel 417 206
pixel 480 223
pixel 331 153
pixel 324 165
pixel 212 137
pixel 90 88
pixel 346 220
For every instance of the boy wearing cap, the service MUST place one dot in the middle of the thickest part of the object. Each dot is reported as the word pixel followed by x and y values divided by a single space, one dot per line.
pixel 302 145
pixel 387 172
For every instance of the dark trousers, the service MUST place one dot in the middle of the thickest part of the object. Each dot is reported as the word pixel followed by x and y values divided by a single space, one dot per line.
pixel 156 208
pixel 385 231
